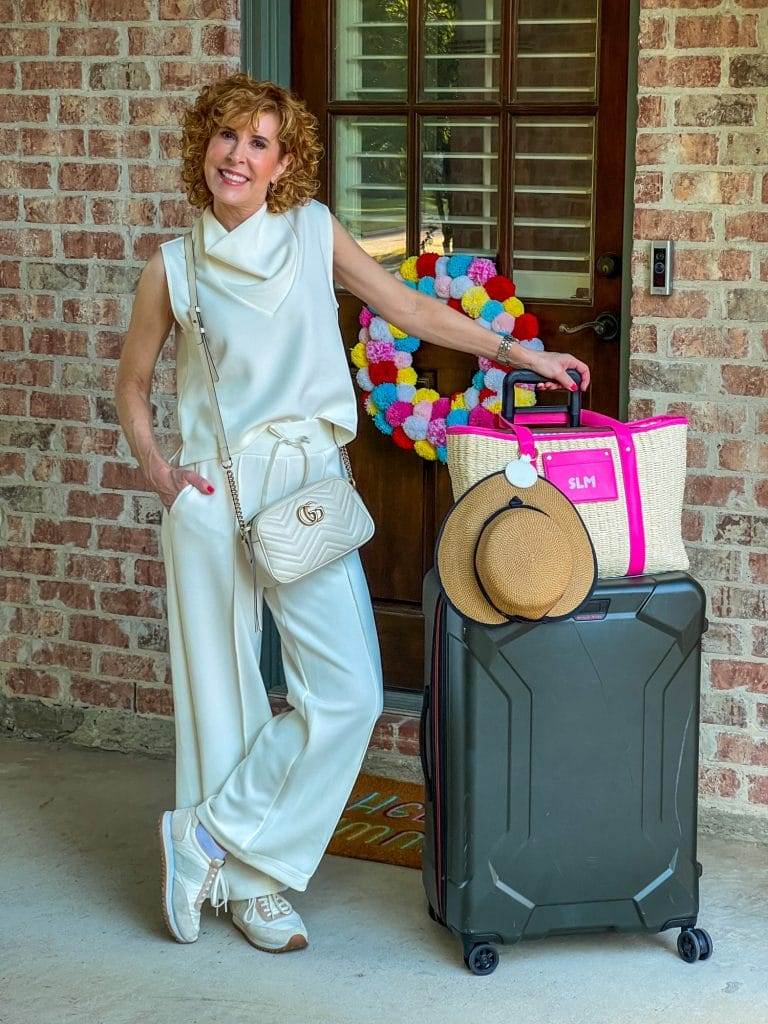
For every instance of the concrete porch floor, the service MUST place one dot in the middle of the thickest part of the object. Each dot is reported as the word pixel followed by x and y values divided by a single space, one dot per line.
pixel 82 937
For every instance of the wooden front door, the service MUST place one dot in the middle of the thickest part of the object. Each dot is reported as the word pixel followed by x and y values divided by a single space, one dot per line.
pixel 490 127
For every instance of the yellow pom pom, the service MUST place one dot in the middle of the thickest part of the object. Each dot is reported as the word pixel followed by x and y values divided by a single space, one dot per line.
pixel 408 269
pixel 473 300
pixel 513 306
pixel 396 332
pixel 370 407
pixel 407 375
pixel 425 395
pixel 358 355
pixel 425 450
pixel 458 402
pixel 495 406
pixel 524 397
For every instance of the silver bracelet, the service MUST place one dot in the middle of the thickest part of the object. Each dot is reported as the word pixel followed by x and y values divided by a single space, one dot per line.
pixel 502 354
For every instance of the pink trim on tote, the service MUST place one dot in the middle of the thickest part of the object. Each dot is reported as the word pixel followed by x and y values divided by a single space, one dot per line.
pixel 584 475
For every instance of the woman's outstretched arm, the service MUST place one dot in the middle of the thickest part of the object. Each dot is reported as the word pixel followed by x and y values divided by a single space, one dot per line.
pixel 432 320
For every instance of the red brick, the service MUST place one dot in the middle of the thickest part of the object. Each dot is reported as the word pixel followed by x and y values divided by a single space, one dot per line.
pixel 156 110
pixel 98 110
pixel 184 10
pixel 87 177
pixel 175 40
pixel 131 666
pixel 681 148
pixel 729 187
pixel 99 693
pixel 35 621
pixel 642 338
pixel 118 10
pixel 718 781
pixel 56 210
pixel 45 405
pixel 58 532
pixel 148 573
pixel 29 372
pixel 713 265
pixel 47 75
pixel 762 715
pixel 653 33
pixel 10 274
pixel 192 74
pixel 15 109
pixel 678 225
pixel 84 245
pixel 23 42
pixel 685 72
pixel 25 174
pixel 88 42
pixel 709 418
pixel 26 242
pixel 758 789
pixel 684 304
pixel 727 675
pixel 31 682
pixel 51 340
pixel 741 749
pixel 131 539
pixel 154 700
pixel 67 655
pixel 92 311
pixel 735 455
pixel 52 142
pixel 221 40
pixel 97 568
pixel 118 143
pixel 50 10
pixel 72 595
pixel 758 567
pixel 648 187
pixel 720 31
pixel 749 226
pixel 135 212
pixel 131 603
pixel 745 380
pixel 92 629
pixel 156 179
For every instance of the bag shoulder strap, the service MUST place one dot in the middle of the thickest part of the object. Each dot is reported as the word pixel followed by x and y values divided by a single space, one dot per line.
pixel 211 372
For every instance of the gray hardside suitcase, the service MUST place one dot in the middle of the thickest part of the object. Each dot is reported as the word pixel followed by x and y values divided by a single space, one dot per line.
pixel 560 766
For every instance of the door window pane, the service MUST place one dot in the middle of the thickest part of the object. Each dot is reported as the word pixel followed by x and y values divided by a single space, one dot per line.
pixel 459 209
pixel 461 57
pixel 556 50
pixel 553 207
pixel 370 50
pixel 370 183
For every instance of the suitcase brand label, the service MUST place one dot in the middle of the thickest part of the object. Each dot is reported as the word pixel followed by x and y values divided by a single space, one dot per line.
pixel 585 475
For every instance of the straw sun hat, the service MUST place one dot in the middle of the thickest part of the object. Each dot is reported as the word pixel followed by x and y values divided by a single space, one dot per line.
pixel 507 552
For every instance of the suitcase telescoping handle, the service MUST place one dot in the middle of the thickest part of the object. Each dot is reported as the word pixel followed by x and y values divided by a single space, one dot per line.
pixel 509 409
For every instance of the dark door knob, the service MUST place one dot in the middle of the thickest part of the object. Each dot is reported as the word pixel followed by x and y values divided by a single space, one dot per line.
pixel 608 265
pixel 605 326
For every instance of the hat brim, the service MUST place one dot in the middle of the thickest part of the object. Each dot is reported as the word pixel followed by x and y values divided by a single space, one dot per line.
pixel 455 547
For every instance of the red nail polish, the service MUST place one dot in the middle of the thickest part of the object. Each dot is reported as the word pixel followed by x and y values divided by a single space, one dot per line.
pixel 210 489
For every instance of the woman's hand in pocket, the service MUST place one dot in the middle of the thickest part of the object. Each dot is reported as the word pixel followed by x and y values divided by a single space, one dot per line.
pixel 170 481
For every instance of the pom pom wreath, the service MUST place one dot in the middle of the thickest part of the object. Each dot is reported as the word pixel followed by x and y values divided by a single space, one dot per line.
pixel 416 418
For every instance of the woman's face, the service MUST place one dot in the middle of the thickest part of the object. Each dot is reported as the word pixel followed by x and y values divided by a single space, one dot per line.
pixel 241 160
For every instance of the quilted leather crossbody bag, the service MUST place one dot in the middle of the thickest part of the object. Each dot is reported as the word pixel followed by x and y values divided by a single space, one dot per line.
pixel 316 524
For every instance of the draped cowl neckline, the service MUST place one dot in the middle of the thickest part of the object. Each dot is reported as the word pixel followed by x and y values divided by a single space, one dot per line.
pixel 255 261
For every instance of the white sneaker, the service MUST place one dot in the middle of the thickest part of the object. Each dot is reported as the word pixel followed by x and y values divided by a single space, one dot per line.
pixel 270 923
pixel 189 874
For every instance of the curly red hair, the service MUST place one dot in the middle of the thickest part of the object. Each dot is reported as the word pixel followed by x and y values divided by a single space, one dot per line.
pixel 227 101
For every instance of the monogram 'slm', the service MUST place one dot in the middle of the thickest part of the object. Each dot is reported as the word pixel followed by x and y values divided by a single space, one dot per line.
pixel 308 516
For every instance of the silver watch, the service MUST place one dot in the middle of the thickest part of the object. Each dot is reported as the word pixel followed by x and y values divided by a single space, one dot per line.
pixel 502 353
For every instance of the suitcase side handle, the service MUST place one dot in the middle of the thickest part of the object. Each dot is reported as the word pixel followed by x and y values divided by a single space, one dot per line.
pixel 509 409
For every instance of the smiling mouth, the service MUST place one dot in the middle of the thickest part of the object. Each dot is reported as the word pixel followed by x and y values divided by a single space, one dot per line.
pixel 232 178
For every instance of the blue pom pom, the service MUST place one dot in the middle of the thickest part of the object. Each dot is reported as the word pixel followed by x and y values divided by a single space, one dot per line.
pixel 533 343
pixel 381 423
pixel 478 380
pixel 407 344
pixel 427 285
pixel 409 284
pixel 491 309
pixel 384 395
pixel 457 417
pixel 442 453
pixel 458 264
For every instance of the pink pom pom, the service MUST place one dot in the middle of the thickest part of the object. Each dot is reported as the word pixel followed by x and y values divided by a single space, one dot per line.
pixel 480 417
pixel 436 432
pixel 481 270
pixel 380 350
pixel 402 360
pixel 365 316
pixel 484 364
pixel 443 286
pixel 503 323
pixel 441 408
pixel 398 413
pixel 423 409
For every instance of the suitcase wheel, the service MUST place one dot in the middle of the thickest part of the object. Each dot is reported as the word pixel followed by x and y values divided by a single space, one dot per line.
pixel 694 944
pixel 481 958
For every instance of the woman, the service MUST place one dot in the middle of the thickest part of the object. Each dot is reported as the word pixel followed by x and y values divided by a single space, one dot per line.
pixel 258 796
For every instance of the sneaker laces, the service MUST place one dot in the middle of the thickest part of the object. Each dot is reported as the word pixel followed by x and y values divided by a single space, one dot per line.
pixel 272 906
pixel 220 891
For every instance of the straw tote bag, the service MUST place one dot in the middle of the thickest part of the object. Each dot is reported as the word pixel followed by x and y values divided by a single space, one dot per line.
pixel 304 531
pixel 626 479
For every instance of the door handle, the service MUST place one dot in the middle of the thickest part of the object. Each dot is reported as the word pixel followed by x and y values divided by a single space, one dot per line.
pixel 605 326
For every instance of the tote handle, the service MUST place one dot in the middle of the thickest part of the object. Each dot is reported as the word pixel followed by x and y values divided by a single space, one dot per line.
pixel 509 409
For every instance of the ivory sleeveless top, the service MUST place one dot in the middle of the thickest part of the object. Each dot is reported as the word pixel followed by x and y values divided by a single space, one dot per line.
pixel 270 313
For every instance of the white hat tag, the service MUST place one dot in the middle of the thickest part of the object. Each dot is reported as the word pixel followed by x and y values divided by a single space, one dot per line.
pixel 520 472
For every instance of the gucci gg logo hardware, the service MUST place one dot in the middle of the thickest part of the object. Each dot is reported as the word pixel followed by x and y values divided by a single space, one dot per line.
pixel 308 516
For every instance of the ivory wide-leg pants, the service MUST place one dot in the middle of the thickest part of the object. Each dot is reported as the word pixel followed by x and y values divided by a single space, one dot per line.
pixel 269 788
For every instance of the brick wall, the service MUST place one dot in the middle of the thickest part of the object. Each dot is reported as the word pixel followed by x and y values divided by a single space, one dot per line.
pixel 702 179
pixel 89 105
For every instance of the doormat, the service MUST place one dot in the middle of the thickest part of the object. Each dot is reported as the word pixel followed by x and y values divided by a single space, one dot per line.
pixel 383 820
